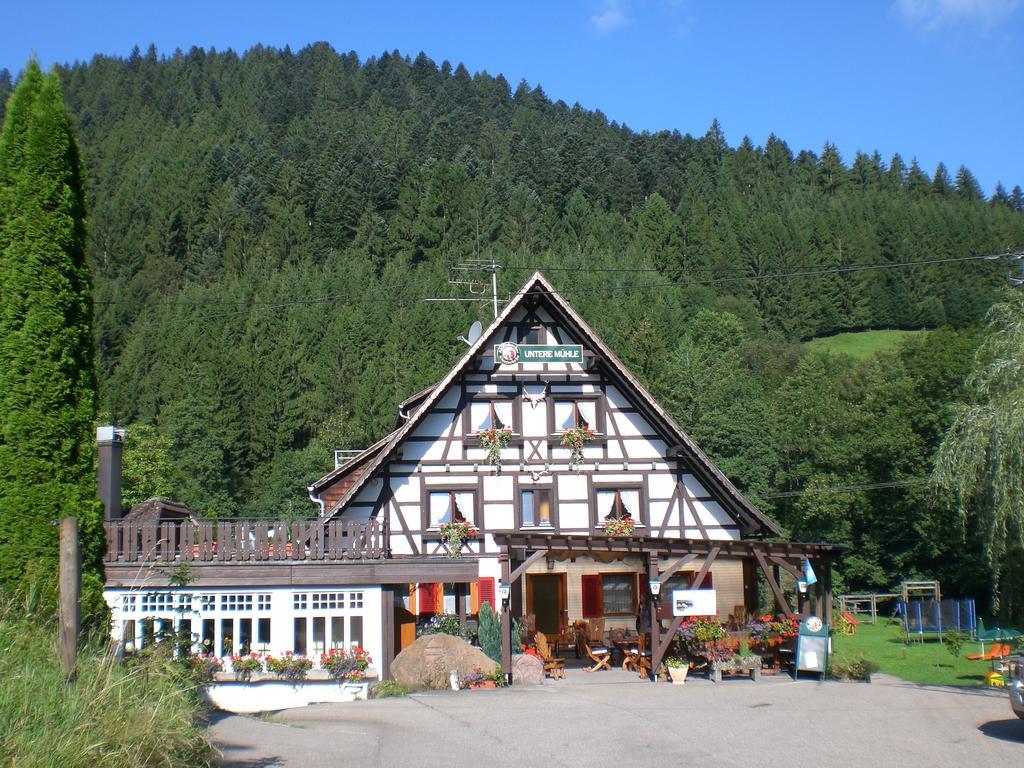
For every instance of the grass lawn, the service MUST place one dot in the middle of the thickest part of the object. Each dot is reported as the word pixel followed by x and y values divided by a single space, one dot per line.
pixel 861 344
pixel 929 662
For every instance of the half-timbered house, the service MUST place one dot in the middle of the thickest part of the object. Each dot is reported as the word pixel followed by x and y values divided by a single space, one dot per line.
pixel 374 563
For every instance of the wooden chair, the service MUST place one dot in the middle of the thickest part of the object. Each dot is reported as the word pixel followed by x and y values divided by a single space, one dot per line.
pixel 595 631
pixel 599 654
pixel 638 658
pixel 553 666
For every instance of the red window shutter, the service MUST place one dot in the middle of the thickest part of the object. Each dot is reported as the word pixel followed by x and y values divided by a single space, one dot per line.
pixel 592 607
pixel 485 590
pixel 425 599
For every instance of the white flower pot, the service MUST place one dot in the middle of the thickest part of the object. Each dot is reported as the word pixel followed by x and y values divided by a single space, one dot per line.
pixel 678 674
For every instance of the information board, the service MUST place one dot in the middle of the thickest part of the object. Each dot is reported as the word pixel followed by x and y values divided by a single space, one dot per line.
pixel 694 602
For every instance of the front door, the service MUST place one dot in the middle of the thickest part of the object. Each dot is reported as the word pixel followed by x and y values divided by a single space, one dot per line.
pixel 545 599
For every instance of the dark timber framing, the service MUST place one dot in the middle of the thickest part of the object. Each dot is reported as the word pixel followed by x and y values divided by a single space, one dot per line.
pixel 523 549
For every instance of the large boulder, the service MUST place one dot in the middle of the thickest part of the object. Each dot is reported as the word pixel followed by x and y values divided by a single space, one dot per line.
pixel 428 662
pixel 527 670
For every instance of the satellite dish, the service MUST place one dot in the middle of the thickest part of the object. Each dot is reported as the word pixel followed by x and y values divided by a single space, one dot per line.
pixel 474 333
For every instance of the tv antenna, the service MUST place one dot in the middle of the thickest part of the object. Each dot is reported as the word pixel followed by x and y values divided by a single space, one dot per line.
pixel 482 265
pixel 475 330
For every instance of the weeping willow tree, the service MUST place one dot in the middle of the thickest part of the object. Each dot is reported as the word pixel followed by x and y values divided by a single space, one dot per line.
pixel 981 459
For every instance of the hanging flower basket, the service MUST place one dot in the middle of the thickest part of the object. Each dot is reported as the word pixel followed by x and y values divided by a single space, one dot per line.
pixel 494 439
pixel 573 439
pixel 621 527
pixel 455 535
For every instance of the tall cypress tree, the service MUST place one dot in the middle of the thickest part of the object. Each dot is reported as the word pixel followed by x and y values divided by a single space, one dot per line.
pixel 47 382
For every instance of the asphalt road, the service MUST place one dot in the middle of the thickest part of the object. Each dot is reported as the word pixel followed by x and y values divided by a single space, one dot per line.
pixel 612 719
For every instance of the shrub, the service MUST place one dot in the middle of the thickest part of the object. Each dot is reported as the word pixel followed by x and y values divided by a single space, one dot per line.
pixel 490 632
pixel 675 661
pixel 857 668
pixel 386 689
pixel 139 715
pixel 445 624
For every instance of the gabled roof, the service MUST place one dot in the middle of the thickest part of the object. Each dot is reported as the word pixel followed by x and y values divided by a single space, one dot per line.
pixel 349 465
pixel 753 520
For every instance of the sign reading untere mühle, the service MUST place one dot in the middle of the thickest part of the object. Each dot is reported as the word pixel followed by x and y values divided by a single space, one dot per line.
pixel 511 353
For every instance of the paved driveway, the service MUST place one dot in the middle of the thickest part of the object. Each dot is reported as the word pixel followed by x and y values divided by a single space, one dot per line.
pixel 612 719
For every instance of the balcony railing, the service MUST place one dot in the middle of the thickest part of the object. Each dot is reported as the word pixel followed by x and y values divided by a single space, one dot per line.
pixel 243 541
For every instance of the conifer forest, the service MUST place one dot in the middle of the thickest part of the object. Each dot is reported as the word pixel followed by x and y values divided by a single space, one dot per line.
pixel 263 231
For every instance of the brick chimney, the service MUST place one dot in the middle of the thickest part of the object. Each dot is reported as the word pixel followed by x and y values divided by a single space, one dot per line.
pixel 110 442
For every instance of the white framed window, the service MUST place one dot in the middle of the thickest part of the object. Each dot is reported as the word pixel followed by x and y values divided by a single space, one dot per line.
pixel 300 601
pixel 263 601
pixel 487 414
pixel 570 414
pixel 618 504
pixel 158 602
pixel 236 602
pixel 450 506
pixel 323 601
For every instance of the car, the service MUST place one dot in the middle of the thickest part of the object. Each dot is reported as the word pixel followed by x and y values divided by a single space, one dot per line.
pixel 1017 689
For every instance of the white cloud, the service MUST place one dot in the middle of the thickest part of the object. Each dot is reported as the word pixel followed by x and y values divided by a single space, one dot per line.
pixel 610 17
pixel 933 14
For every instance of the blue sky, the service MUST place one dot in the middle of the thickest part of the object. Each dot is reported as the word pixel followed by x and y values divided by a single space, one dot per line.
pixel 935 79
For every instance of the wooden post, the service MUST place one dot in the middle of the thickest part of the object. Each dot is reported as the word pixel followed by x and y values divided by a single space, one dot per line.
pixel 652 607
pixel 506 624
pixel 70 594
pixel 460 603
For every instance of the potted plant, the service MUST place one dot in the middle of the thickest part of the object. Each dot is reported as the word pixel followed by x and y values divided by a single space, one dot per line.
pixel 289 667
pixel 245 666
pixel 455 534
pixel 476 679
pixel 623 526
pixel 494 439
pixel 204 667
pixel 573 439
pixel 348 665
pixel 677 669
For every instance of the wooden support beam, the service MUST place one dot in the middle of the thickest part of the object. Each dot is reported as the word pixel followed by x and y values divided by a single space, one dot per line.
pixel 788 566
pixel 521 568
pixel 506 624
pixel 658 653
pixel 460 603
pixel 699 579
pixel 773 583
pixel 827 590
pixel 673 567
pixel 70 584
pixel 652 606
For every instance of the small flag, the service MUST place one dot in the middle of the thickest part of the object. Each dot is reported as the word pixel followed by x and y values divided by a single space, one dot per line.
pixel 809 576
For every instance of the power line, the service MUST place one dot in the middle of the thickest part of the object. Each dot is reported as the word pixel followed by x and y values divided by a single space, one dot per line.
pixel 846 488
pixel 781 275
pixel 340 298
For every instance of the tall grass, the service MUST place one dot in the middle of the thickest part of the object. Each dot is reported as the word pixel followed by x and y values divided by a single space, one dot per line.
pixel 114 714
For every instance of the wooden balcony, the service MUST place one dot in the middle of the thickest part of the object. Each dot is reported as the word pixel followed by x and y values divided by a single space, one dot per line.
pixel 243 541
